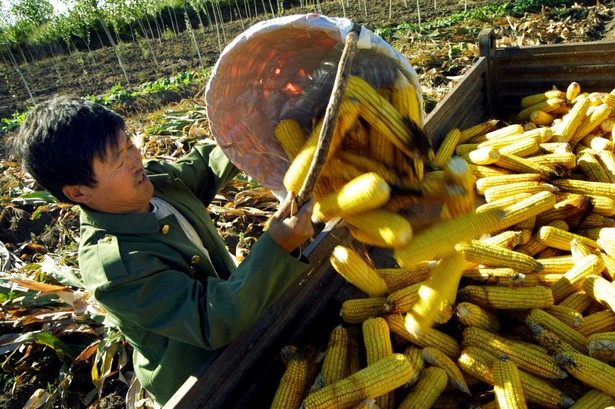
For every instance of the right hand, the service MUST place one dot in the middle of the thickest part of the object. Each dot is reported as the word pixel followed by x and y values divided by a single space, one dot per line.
pixel 290 228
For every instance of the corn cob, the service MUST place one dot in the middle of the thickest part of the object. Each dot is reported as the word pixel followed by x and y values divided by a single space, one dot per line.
pixel 366 192
pixel 607 160
pixel 414 354
pixel 293 383
pixel 588 370
pixel 558 264
pixel 507 298
pixel 381 228
pixel 573 279
pixel 335 364
pixel 533 99
pixel 598 143
pixel 518 164
pixel 398 278
pixel 563 331
pixel 484 183
pixel 298 169
pixel 507 239
pixel 585 188
pixel 498 192
pixel 535 245
pixel 441 286
pixel 560 239
pixel 478 363
pixel 482 156
pixel 594 399
pixel 426 391
pixel 507 384
pixel 564 209
pixel 609 266
pixel 353 268
pixel 599 114
pixel 505 202
pixel 482 171
pixel 447 148
pixel 291 137
pixel 367 165
pixel 567 315
pixel 578 301
pixel 527 359
pixel 429 337
pixel 600 290
pixel 567 160
pixel 357 310
pixel 601 205
pixel 406 100
pixel 572 91
pixel 381 148
pixel 541 118
pixel 479 129
pixel 601 321
pixel 492 256
pixel 573 120
pixel 439 240
pixel 472 315
pixel 377 340
pixel 354 356
pixel 546 106
pixel 402 300
pixel 591 167
pixel 374 380
pixel 601 346
pixel 437 358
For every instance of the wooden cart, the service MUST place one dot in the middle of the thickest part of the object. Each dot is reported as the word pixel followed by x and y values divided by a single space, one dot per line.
pixel 246 373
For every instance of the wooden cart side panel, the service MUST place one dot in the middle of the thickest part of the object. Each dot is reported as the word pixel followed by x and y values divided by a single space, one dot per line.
pixel 241 366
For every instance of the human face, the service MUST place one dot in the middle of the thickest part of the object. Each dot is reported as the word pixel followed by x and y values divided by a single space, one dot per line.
pixel 121 183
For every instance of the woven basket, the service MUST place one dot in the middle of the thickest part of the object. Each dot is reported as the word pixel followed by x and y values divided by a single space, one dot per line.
pixel 285 68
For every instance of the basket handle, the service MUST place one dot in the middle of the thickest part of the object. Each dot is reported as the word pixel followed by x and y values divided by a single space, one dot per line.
pixel 333 107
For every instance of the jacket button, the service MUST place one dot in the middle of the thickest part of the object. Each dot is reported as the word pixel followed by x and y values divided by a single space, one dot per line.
pixel 165 229
pixel 195 259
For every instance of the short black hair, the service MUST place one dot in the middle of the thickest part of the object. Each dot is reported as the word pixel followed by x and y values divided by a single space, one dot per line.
pixel 59 139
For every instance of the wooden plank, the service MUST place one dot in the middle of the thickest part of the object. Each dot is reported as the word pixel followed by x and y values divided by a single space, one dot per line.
pixel 226 378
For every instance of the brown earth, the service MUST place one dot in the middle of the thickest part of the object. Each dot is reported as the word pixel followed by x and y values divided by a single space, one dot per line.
pixel 94 73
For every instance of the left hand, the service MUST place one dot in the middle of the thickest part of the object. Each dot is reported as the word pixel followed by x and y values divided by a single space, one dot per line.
pixel 290 228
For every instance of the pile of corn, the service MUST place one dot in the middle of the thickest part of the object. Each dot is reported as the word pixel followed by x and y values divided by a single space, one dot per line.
pixel 507 304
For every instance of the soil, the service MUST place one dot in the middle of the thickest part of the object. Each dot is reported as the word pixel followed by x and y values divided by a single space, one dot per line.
pixel 96 72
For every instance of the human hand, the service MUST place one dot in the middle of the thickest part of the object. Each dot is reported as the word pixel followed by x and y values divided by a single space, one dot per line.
pixel 290 228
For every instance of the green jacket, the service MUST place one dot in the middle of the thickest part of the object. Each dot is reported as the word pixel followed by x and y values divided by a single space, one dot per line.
pixel 161 291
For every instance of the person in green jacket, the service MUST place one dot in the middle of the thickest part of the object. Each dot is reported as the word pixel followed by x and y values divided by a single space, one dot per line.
pixel 149 252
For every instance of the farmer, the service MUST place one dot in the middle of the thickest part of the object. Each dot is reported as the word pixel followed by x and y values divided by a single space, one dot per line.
pixel 149 251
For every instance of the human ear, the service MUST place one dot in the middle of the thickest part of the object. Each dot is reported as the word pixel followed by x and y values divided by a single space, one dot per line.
pixel 74 193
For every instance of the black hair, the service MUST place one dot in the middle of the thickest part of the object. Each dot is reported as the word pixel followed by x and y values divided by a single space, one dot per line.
pixel 60 138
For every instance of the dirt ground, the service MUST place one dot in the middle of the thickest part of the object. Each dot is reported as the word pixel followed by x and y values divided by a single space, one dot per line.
pixel 95 73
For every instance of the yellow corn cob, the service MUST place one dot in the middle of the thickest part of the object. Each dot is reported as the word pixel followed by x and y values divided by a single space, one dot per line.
pixel 602 346
pixel 524 146
pixel 592 121
pixel 291 137
pixel 484 183
pixel 472 315
pixel 380 228
pixel 381 148
pixel 567 160
pixel 518 164
pixel 447 148
pixel 405 98
pixel 505 202
pixel 429 337
pixel 357 140
pixel 564 209
pixel 594 399
pixel 578 301
pixel 498 192
pixel 437 358
pixel 567 315
pixel 507 239
pixel 573 120
pixel 482 171
pixel 533 99
pixel 440 239
pixel 482 156
pixel 600 290
pixel 478 363
pixel 609 266
pixel 374 380
pixel 555 147
pixel 440 287
pixel 398 278
pixel 598 143
pixel 298 169
pixel 535 245
pixel 353 268
pixel 590 166
pixel 572 91
pixel 558 264
pixel 507 298
pixel 601 321
pixel 463 149
pixel 335 364
pixel 507 384
pixel 560 239
pixel 592 220
pixel 366 192
pixel 541 118
pixel 602 205
pixel 513 129
pixel 544 279
pixel 588 370
pixel 578 250
pixel 494 276
pixel 479 129
pixel 546 106
pixel 461 197
pixel 415 356
pixel 293 383
pixel 530 360
pixel 377 340
pixel 402 300
pixel 607 160
pixel 357 310
pixel 563 331
pixel 426 391
pixel 379 113
pixel 573 279
pixel 365 165
pixel 493 256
